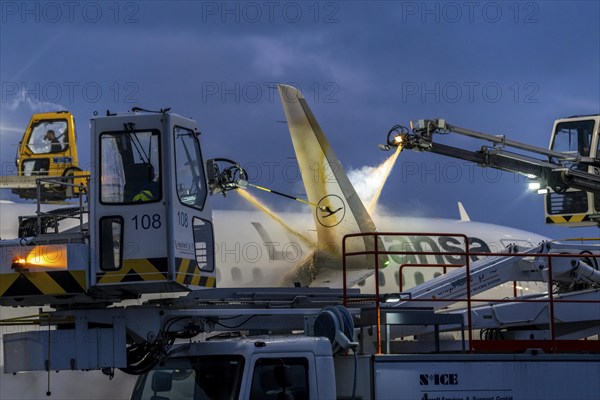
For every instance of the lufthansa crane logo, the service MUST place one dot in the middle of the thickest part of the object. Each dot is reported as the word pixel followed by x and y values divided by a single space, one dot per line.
pixel 330 210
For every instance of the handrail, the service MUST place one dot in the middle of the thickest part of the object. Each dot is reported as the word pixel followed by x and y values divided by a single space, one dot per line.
pixel 467 254
pixel 62 181
pixel 420 265
pixel 377 253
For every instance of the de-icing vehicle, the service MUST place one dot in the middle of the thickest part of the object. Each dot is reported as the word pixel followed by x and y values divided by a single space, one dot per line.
pixel 568 172
pixel 48 148
pixel 149 230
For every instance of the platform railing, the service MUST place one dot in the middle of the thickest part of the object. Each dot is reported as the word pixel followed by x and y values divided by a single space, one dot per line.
pixel 444 268
pixel 482 345
pixel 67 183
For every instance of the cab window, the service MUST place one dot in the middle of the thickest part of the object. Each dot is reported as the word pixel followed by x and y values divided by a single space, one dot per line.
pixel 49 136
pixel 190 180
pixel 574 137
pixel 197 378
pixel 280 378
pixel 130 167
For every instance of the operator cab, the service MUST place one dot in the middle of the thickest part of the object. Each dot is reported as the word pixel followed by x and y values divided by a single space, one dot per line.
pixel 150 200
pixel 576 136
pixel 254 368
pixel 149 226
pixel 48 148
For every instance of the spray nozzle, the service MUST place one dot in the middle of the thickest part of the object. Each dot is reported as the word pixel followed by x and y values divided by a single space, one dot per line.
pixel 225 175
pixel 396 137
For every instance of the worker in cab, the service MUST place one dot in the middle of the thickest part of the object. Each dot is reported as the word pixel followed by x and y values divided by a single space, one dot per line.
pixel 143 196
pixel 55 145
pixel 149 192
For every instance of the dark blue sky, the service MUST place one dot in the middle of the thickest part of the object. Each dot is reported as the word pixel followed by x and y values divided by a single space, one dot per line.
pixel 499 67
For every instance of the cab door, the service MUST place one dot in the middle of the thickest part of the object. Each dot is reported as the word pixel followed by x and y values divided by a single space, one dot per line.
pixel 191 238
pixel 128 215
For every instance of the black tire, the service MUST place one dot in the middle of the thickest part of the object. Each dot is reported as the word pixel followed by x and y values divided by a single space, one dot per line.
pixel 67 173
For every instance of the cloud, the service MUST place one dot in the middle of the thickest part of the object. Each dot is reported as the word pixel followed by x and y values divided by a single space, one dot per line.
pixel 35 105
pixel 286 57
pixel 272 56
pixel 11 129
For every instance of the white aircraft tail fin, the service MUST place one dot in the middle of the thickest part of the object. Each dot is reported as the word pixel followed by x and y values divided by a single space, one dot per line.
pixel 339 210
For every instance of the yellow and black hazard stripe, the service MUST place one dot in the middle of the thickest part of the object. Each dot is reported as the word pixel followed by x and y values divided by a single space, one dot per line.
pixel 40 283
pixel 567 219
pixel 136 270
pixel 188 273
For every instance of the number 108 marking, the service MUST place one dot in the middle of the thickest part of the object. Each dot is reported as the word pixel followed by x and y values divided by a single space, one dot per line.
pixel 146 221
pixel 182 218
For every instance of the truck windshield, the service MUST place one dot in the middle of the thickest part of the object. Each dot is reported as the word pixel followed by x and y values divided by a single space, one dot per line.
pixel 197 378
pixel 49 136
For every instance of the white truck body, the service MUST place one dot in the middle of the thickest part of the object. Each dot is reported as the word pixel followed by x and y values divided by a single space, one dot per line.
pixel 244 370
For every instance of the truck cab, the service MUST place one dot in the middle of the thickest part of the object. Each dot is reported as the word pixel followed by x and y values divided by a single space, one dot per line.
pixel 48 148
pixel 577 136
pixel 150 204
pixel 257 368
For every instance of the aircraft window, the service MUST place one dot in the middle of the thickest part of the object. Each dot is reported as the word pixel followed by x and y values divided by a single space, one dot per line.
pixel 189 173
pixel 436 274
pixel 419 278
pixel 236 274
pixel 381 278
pixel 398 278
pixel 257 274
pixel 48 137
pixel 130 167
pixel 361 283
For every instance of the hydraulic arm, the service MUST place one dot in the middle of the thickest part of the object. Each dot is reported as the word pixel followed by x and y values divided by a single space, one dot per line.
pixel 570 168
